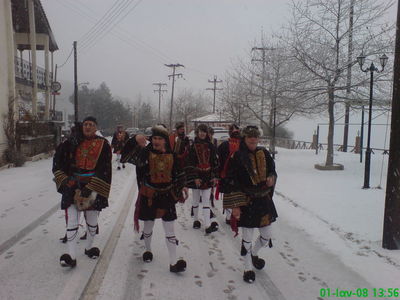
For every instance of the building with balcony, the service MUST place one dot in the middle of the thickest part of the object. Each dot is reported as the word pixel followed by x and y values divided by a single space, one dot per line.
pixel 25 94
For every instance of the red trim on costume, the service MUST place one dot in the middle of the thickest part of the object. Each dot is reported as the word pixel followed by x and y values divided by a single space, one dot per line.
pixel 88 153
pixel 234 226
pixel 234 144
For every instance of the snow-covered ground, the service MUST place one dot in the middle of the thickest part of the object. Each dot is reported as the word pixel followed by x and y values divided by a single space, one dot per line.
pixel 328 235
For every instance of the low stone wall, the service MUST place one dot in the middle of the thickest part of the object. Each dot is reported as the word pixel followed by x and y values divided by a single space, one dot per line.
pixel 34 138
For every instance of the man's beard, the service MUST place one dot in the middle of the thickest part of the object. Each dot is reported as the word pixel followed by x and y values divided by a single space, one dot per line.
pixel 235 134
pixel 181 134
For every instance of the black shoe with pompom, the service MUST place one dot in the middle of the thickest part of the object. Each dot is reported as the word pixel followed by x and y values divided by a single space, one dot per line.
pixel 93 252
pixel 249 276
pixel 196 224
pixel 213 227
pixel 147 256
pixel 258 263
pixel 180 266
pixel 67 261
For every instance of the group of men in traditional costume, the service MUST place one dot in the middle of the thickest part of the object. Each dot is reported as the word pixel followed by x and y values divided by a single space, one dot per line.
pixel 166 167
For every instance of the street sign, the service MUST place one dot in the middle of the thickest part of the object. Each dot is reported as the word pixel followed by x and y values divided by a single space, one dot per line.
pixel 55 86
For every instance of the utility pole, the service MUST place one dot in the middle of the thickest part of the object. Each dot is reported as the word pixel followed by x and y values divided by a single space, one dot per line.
pixel 214 81
pixel 54 95
pixel 159 91
pixel 391 221
pixel 135 120
pixel 173 75
pixel 348 89
pixel 263 60
pixel 75 82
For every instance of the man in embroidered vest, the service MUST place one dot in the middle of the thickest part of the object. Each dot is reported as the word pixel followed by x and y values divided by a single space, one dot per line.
pixel 161 184
pixel 225 154
pixel 82 172
pixel 250 181
pixel 202 172
pixel 179 143
pixel 118 142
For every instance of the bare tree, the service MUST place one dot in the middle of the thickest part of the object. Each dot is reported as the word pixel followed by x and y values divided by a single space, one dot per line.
pixel 284 88
pixel 189 106
pixel 11 154
pixel 317 38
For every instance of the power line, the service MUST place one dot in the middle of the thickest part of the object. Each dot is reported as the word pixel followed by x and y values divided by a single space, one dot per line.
pixel 62 65
pixel 128 38
pixel 99 21
pixel 123 35
pixel 106 21
pixel 116 23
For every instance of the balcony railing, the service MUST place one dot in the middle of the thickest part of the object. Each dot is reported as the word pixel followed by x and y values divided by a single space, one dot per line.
pixel 23 73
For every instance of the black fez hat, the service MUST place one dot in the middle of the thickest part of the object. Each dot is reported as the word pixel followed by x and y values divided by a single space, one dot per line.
pixel 160 130
pixel 179 125
pixel 251 131
pixel 90 118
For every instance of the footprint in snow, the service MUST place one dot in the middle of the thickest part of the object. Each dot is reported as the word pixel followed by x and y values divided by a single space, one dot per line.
pixel 199 283
pixel 302 278
pixel 210 274
pixel 9 254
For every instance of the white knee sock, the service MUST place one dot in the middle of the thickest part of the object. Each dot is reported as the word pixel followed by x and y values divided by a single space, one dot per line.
pixel 72 229
pixel 228 212
pixel 91 226
pixel 170 240
pixel 119 160
pixel 262 240
pixel 205 196
pixel 147 234
pixel 195 203
pixel 247 236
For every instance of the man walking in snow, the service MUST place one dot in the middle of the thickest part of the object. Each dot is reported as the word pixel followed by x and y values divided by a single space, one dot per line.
pixel 249 184
pixel 202 176
pixel 82 172
pixel 118 142
pixel 161 183
pixel 225 153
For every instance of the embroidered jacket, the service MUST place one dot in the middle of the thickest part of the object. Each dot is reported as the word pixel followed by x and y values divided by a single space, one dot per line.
pixel 83 164
pixel 180 146
pixel 246 176
pixel 225 154
pixel 160 171
pixel 202 164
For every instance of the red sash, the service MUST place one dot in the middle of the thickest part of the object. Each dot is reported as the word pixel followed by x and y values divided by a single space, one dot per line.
pixel 234 144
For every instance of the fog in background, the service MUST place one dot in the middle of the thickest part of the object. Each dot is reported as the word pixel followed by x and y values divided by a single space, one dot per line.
pixel 129 54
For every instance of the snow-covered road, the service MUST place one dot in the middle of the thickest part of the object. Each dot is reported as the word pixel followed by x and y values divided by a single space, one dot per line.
pixel 298 266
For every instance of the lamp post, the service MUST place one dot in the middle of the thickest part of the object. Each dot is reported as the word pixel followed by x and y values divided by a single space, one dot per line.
pixel 371 69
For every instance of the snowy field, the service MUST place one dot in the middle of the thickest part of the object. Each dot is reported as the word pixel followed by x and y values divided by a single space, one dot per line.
pixel 328 235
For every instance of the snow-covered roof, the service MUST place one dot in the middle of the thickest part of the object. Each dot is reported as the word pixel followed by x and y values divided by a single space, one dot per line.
pixel 212 118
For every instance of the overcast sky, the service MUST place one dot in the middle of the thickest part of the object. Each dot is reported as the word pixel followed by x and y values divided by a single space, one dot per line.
pixel 204 35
